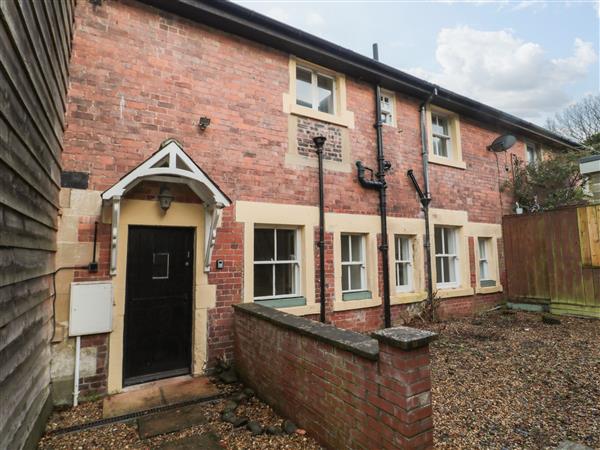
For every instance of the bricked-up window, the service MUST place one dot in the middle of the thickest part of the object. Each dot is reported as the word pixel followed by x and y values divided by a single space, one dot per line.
pixel 354 269
pixel 442 142
pixel 387 108
pixel 315 90
pixel 533 153
pixel 446 257
pixel 276 263
pixel 403 262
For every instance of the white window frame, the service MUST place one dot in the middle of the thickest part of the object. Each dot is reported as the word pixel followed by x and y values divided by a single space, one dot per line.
pixel 315 89
pixel 361 263
pixel 435 116
pixel 387 112
pixel 484 245
pixel 273 261
pixel 453 257
pixel 399 262
pixel 535 156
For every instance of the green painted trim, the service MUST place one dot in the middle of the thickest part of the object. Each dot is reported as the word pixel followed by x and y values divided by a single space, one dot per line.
pixel 487 283
pixel 358 295
pixel 287 302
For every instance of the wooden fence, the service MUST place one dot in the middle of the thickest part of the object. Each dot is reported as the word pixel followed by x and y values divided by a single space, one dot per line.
pixel 35 46
pixel 553 259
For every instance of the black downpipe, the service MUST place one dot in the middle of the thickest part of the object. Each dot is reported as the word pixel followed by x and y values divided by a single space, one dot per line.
pixel 380 184
pixel 319 142
pixel 93 266
pixel 425 197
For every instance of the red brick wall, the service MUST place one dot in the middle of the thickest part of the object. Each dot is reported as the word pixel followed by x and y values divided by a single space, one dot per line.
pixel 95 385
pixel 139 76
pixel 342 399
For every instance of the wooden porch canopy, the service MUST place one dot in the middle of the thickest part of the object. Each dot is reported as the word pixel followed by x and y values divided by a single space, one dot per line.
pixel 172 165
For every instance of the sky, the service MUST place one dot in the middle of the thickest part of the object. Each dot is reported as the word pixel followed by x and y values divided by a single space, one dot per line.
pixel 529 58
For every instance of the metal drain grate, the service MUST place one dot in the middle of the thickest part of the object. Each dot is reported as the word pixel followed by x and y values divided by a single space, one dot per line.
pixel 131 416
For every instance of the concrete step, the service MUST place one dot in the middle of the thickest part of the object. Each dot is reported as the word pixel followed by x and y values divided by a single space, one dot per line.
pixel 160 393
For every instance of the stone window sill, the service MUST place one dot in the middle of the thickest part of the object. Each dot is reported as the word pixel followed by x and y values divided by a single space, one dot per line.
pixel 457 164
pixel 310 309
pixel 345 120
pixel 489 289
pixel 455 292
pixel 402 298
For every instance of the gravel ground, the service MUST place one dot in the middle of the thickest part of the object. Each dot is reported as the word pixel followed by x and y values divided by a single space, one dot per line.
pixel 502 381
pixel 125 435
pixel 508 381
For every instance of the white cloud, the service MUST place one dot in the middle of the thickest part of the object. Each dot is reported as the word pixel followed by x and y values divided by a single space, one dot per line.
pixel 527 4
pixel 314 19
pixel 498 68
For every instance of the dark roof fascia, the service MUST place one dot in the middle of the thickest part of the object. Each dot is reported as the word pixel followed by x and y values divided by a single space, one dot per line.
pixel 238 20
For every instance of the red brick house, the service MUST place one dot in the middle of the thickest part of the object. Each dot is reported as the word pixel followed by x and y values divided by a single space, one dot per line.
pixel 212 109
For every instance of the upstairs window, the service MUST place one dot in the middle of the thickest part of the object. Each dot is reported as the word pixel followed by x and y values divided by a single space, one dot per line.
pixel 533 153
pixel 403 262
pixel 353 263
pixel 276 263
pixel 442 140
pixel 387 108
pixel 446 257
pixel 315 90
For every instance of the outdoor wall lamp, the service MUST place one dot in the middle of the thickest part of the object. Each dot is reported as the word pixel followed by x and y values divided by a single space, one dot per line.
pixel 165 198
pixel 204 122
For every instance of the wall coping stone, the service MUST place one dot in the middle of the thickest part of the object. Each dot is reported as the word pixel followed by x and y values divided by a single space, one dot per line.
pixel 405 338
pixel 350 341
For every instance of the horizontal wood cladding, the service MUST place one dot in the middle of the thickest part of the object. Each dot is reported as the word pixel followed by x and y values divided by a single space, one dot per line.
pixel 35 47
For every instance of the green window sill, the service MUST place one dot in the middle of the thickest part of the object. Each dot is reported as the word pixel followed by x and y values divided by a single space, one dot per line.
pixel 287 302
pixel 358 295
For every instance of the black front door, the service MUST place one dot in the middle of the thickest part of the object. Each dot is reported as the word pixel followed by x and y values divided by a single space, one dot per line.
pixel 158 303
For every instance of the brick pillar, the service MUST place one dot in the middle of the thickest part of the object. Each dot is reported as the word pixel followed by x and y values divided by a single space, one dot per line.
pixel 404 387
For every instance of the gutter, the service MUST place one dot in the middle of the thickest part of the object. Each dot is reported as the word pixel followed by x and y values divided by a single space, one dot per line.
pixel 240 21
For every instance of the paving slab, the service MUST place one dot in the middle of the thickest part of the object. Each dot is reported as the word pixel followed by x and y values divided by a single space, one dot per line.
pixel 160 393
pixel 171 420
pixel 206 441
pixel 186 390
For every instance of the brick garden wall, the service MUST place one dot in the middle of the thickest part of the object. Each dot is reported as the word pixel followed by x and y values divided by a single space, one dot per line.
pixel 346 389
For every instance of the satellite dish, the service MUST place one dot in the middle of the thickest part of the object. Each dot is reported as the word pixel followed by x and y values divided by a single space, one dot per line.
pixel 502 143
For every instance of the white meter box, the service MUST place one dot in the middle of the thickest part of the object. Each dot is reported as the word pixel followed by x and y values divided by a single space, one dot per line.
pixel 91 308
